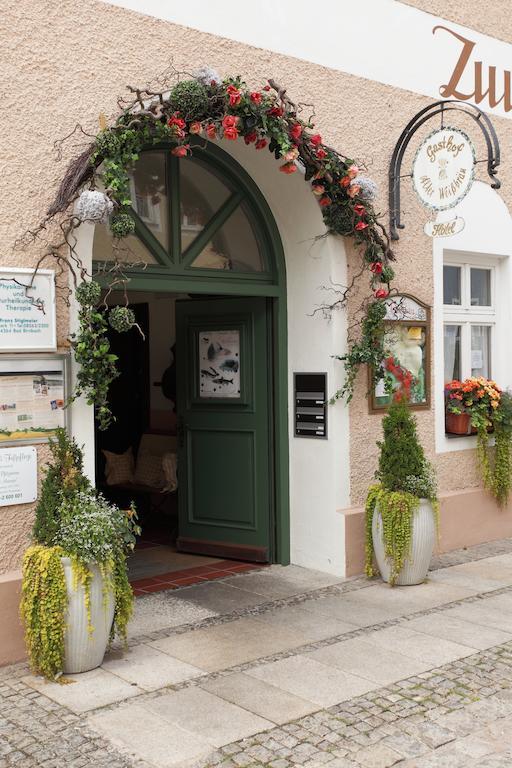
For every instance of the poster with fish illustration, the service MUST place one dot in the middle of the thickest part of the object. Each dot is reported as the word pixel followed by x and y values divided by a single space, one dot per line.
pixel 219 364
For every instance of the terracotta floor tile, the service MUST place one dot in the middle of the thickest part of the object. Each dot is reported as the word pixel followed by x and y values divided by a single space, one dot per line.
pixel 186 581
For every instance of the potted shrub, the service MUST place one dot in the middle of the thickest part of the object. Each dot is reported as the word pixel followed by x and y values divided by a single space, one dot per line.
pixel 75 592
pixel 402 509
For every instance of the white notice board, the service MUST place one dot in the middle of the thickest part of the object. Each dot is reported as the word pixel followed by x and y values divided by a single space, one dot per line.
pixel 27 315
pixel 18 475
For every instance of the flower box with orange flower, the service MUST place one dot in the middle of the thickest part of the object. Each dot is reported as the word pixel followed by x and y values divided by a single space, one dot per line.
pixel 471 405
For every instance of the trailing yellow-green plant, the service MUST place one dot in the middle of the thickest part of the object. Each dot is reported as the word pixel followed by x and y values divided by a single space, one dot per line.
pixel 396 509
pixel 43 608
pixel 405 477
pixel 89 531
pixel 496 463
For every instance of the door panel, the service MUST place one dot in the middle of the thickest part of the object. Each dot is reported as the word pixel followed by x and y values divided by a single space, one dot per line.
pixel 224 462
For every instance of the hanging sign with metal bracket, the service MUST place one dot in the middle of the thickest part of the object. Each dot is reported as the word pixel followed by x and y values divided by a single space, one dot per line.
pixel 443 168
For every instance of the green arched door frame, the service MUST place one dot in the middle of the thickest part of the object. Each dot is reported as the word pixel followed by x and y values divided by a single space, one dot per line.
pixel 172 276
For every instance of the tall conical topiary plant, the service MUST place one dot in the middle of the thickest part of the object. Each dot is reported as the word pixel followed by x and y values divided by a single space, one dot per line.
pixel 401 455
pixel 63 480
pixel 405 477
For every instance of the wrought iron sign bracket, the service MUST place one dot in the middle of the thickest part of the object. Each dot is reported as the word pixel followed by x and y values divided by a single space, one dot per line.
pixel 437 108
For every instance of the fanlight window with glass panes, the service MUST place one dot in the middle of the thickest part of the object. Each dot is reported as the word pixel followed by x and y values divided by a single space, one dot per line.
pixel 469 319
pixel 192 216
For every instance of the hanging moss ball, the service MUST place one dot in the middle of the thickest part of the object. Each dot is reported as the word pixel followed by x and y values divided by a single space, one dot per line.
pixel 121 319
pixel 338 218
pixel 108 143
pixel 88 293
pixel 122 225
pixel 190 99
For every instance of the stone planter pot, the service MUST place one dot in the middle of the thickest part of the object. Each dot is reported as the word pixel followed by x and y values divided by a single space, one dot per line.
pixel 458 424
pixel 84 651
pixel 422 545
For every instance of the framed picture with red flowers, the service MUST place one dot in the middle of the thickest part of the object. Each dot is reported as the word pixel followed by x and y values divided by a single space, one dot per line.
pixel 406 366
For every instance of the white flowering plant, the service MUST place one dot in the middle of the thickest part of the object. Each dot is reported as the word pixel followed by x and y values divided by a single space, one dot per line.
pixel 94 531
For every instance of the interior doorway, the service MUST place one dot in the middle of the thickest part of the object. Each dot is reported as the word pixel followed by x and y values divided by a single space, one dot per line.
pixel 192 440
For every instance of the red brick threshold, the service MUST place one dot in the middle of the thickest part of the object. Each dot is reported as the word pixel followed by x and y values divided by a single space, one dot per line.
pixel 188 576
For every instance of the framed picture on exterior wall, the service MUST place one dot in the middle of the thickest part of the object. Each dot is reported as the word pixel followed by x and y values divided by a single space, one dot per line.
pixel 406 365
pixel 33 394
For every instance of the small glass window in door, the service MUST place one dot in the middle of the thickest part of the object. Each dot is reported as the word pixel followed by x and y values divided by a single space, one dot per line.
pixel 149 194
pixel 219 364
pixel 234 246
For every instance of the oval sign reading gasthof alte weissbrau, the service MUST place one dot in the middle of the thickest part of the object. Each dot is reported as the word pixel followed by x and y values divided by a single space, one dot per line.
pixel 443 169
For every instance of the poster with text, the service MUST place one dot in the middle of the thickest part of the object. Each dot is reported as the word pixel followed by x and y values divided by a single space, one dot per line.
pixel 31 405
pixel 27 310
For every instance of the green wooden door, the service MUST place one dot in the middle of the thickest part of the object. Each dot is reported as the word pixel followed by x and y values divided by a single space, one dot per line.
pixel 224 456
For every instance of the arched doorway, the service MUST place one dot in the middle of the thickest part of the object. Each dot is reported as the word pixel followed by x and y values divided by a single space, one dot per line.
pixel 205 236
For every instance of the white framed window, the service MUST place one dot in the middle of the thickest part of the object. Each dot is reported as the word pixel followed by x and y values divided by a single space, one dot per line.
pixel 469 317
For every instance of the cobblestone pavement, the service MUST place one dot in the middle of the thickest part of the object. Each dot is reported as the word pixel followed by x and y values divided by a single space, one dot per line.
pixel 458 714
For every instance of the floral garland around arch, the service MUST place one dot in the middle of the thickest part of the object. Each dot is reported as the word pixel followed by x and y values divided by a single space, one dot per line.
pixel 207 107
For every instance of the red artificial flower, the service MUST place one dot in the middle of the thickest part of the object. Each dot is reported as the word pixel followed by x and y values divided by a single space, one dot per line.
pixel 352 171
pixel 229 123
pixel 359 209
pixel 288 168
pixel 316 140
pixel 261 144
pixel 276 112
pixel 296 131
pixel 180 151
pixel 376 267
pixel 234 94
pixel 251 137
pixel 230 133
pixel 211 130
pixel 325 201
pixel 318 189
pixel 266 87
pixel 345 181
pixel 256 97
pixel 382 293
pixel 195 127
pixel 361 225
pixel 353 190
pixel 321 153
pixel 177 121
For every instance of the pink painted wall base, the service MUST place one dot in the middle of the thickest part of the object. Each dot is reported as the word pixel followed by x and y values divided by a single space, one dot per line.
pixel 466 518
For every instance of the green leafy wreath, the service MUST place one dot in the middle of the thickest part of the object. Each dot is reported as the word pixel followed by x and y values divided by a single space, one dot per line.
pixel 205 107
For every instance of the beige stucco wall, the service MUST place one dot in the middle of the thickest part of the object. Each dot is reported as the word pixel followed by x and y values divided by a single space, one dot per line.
pixel 492 18
pixel 66 62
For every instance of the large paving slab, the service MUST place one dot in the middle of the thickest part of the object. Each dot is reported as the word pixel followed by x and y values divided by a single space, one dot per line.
pixel 418 645
pixel 309 679
pixel 464 632
pixel 163 610
pixel 148 668
pixel 220 597
pixel 379 664
pixel 295 618
pixel 86 691
pixel 211 718
pixel 223 646
pixel 145 735
pixel 257 696
pixel 279 581
pixel 483 613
